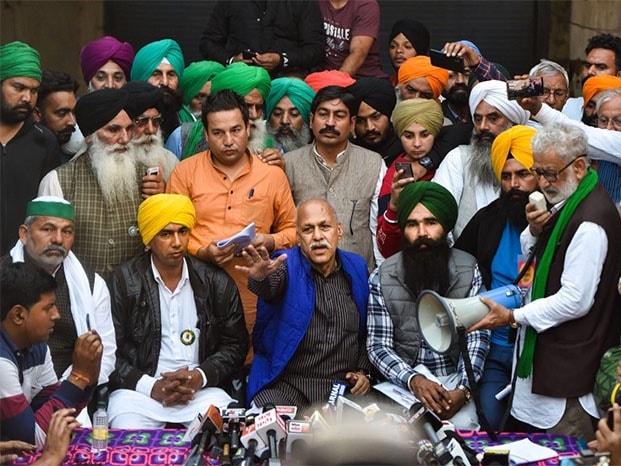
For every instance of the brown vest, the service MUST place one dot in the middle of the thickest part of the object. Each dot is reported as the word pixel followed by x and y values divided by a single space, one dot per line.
pixel 567 356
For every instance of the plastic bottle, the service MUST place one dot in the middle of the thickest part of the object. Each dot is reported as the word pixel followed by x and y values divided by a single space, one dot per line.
pixel 100 428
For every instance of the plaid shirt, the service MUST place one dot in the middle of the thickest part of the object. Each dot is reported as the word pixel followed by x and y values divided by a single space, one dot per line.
pixel 393 367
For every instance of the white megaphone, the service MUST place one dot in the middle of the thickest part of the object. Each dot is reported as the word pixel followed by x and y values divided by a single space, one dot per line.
pixel 438 318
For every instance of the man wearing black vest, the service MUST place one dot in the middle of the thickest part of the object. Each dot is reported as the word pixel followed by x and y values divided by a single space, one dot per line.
pixel 573 314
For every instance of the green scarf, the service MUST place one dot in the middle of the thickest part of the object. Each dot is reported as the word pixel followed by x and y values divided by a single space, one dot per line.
pixel 540 281
pixel 194 138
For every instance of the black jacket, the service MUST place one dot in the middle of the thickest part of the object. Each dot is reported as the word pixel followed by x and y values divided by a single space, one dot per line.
pixel 294 27
pixel 135 310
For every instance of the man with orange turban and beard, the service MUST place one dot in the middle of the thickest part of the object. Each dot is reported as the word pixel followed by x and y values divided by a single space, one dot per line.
pixel 179 324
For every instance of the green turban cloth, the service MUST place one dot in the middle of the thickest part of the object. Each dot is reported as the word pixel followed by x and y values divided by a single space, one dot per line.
pixel 19 60
pixel 300 93
pixel 151 55
pixel 242 79
pixel 425 112
pixel 435 197
pixel 196 75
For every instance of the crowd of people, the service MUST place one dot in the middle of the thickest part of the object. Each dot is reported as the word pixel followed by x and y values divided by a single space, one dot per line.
pixel 363 190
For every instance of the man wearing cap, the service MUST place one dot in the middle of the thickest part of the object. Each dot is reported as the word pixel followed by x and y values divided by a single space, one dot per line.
pixel 427 212
pixel 29 150
pixel 466 171
pixel 346 175
pixel 148 149
pixel 161 63
pixel 179 325
pixel 493 237
pixel 104 182
pixel 288 109
pixel 195 86
pixel 407 39
pixel 82 298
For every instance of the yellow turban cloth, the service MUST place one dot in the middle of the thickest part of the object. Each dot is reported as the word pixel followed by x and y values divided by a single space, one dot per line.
pixel 420 67
pixel 158 211
pixel 516 140
pixel 597 84
pixel 425 112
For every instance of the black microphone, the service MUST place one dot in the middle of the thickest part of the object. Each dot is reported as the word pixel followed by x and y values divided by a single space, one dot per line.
pixel 426 455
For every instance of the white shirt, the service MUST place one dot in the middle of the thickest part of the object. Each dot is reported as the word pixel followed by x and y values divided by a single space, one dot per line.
pixel 584 261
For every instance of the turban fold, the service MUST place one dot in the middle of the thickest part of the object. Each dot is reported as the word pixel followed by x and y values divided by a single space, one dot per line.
pixel 242 79
pixel 151 55
pixel 516 140
pixel 161 209
pixel 19 60
pixel 96 54
pixel 50 206
pixel 300 93
pixel 415 32
pixel 425 112
pixel 471 45
pixel 322 79
pixel 421 67
pixel 378 93
pixel 97 108
pixel 196 75
pixel 435 197
pixel 596 84
pixel 143 96
pixel 495 94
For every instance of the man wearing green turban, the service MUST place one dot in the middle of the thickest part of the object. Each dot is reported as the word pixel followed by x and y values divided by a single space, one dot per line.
pixel 29 150
pixel 288 109
pixel 426 212
pixel 195 87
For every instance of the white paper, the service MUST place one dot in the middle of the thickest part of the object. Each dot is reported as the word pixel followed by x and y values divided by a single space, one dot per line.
pixel 396 393
pixel 241 239
pixel 524 451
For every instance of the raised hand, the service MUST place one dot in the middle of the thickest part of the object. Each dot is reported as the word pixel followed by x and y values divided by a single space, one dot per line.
pixel 258 263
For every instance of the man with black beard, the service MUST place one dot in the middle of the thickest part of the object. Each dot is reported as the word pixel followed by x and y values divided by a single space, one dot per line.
pixel 426 213
pixel 493 237
pixel 104 182
pixel 29 150
pixel 467 171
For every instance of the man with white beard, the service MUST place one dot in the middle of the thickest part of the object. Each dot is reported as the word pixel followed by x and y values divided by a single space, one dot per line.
pixel 147 145
pixel 104 182
pixel 467 171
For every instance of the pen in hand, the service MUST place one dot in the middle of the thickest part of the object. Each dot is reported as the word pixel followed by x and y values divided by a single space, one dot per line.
pixel 88 322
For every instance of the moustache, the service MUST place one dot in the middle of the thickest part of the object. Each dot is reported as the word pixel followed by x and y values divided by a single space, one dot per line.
pixel 319 244
pixel 56 248
pixel 485 134
pixel 331 130
pixel 285 129
pixel 371 134
pixel 424 243
pixel 25 106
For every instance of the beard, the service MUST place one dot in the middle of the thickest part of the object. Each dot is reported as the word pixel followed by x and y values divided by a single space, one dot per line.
pixel 64 135
pixel 513 203
pixel 256 141
pixel 146 145
pixel 115 169
pixel 288 138
pixel 554 195
pixel 16 114
pixel 458 95
pixel 480 162
pixel 589 120
pixel 425 262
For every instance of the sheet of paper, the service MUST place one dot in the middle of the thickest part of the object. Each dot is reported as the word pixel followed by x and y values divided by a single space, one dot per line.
pixel 525 451
pixel 396 393
pixel 241 239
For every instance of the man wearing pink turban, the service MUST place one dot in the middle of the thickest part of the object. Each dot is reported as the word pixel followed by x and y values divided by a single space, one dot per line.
pixel 106 62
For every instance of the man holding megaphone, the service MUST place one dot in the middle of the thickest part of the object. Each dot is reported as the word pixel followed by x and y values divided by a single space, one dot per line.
pixel 426 213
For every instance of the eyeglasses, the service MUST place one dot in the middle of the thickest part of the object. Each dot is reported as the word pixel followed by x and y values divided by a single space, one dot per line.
pixel 557 93
pixel 552 175
pixel 616 122
pixel 144 121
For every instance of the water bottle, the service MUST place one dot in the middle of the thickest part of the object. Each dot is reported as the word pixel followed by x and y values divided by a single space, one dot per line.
pixel 100 428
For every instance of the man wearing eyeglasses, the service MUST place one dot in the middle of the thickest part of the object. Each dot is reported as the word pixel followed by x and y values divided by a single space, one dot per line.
pixel 104 182
pixel 573 314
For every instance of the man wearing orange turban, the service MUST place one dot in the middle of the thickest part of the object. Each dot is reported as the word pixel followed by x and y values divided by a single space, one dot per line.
pixel 590 90
pixel 418 78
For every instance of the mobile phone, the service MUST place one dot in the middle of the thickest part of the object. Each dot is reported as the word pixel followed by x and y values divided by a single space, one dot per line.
pixel 407 169
pixel 538 199
pixel 248 54
pixel 440 59
pixel 520 88
pixel 153 171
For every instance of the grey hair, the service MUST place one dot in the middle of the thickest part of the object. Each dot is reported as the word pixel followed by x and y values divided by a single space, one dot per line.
pixel 568 142
pixel 606 96
pixel 548 68
pixel 28 221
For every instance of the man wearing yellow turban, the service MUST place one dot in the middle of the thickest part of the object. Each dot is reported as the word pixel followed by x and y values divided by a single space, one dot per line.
pixel 29 150
pixel 493 237
pixel 180 326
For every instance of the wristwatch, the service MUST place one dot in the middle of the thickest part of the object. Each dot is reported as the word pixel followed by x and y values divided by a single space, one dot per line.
pixel 426 162
pixel 512 322
pixel 466 391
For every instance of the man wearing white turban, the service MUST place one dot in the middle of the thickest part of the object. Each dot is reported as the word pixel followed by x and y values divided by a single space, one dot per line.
pixel 467 170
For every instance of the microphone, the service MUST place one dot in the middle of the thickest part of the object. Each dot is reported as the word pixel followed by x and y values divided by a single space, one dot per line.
pixel 234 417
pixel 253 443
pixel 210 425
pixel 426 454
pixel 272 429
pixel 298 438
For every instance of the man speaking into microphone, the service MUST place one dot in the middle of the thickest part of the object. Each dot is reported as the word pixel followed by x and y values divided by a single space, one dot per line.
pixel 311 317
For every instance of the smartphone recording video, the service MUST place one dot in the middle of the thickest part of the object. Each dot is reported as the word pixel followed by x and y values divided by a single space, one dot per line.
pixel 407 169
pixel 441 60
pixel 520 88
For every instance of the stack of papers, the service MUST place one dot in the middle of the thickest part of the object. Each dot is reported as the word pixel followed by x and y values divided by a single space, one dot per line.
pixel 524 451
pixel 241 239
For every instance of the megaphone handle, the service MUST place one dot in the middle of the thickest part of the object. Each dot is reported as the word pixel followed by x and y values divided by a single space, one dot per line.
pixel 474 389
